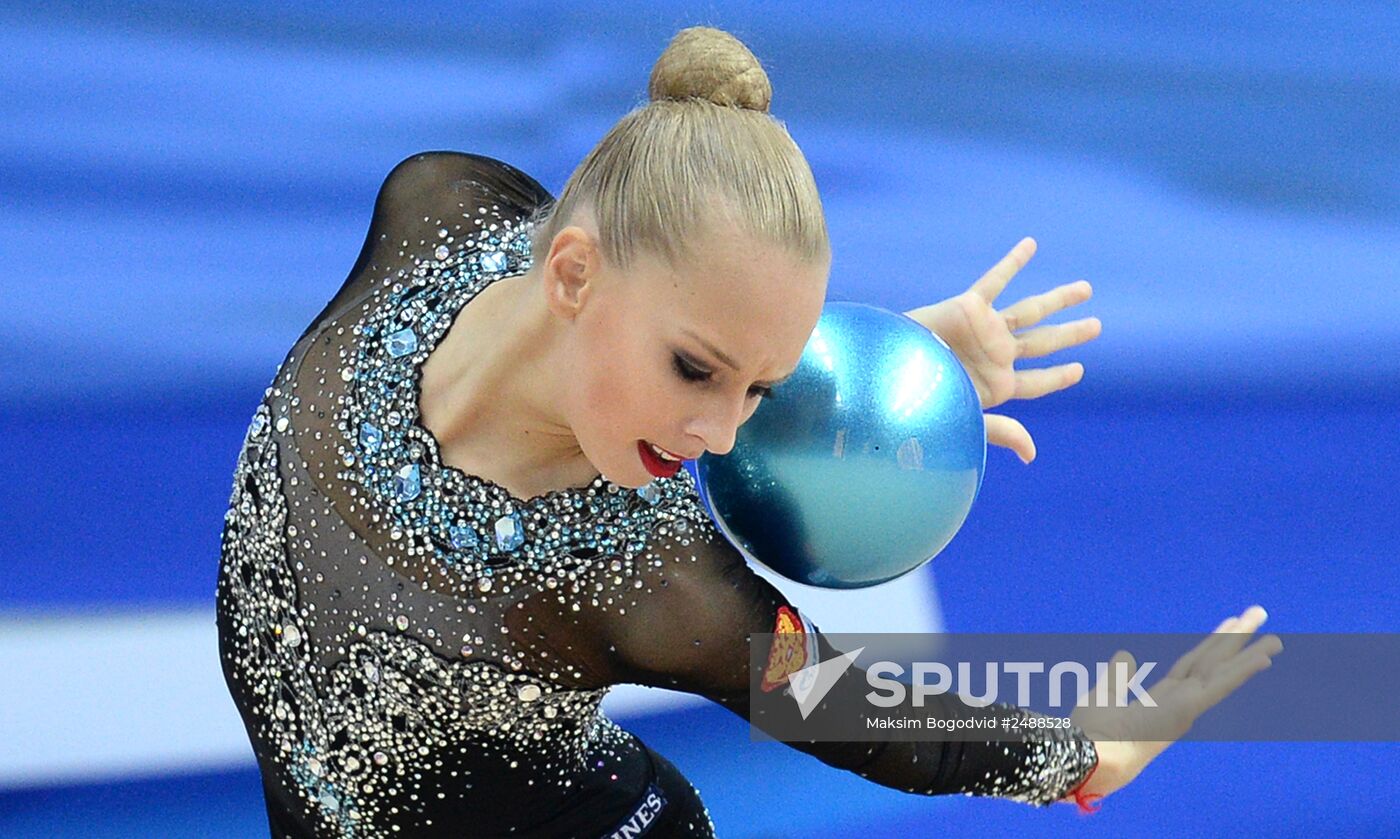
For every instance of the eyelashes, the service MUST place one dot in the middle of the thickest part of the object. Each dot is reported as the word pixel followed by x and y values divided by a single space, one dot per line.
pixel 690 373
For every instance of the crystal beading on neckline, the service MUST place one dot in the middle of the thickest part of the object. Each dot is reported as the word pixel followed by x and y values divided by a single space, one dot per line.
pixel 471 524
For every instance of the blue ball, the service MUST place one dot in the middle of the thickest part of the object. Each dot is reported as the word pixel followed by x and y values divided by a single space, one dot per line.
pixel 863 465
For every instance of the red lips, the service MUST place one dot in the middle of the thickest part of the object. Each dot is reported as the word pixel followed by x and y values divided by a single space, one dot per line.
pixel 656 466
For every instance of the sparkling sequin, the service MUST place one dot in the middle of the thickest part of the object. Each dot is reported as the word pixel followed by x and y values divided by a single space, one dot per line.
pixel 407 483
pixel 463 537
pixel 402 343
pixel 370 438
pixel 493 262
pixel 510 534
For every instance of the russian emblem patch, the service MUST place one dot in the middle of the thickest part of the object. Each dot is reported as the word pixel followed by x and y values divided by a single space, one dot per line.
pixel 794 647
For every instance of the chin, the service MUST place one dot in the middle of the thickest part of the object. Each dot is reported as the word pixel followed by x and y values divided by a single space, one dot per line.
pixel 633 478
pixel 640 477
pixel 629 475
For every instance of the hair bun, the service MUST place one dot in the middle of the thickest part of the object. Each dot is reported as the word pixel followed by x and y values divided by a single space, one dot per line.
pixel 706 63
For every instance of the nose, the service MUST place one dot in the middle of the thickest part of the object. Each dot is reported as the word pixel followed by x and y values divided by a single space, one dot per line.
pixel 718 423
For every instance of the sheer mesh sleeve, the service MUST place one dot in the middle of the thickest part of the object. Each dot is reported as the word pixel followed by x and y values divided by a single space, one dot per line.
pixel 684 624
pixel 418 196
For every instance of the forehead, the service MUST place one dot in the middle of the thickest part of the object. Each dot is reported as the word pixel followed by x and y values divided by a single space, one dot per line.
pixel 724 267
pixel 753 302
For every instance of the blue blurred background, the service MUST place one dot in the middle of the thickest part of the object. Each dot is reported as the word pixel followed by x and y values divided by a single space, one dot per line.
pixel 184 184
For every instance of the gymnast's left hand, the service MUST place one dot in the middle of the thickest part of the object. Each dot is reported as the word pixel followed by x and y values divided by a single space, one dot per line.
pixel 988 344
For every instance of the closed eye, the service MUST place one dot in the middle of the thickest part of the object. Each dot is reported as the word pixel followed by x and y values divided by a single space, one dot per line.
pixel 690 373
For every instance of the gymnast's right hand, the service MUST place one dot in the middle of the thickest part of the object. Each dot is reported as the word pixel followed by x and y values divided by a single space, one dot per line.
pixel 1128 738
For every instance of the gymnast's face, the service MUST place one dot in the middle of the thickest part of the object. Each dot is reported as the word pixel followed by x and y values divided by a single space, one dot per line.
pixel 679 358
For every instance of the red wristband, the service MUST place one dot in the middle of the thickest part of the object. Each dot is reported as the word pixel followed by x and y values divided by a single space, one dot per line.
pixel 1086 802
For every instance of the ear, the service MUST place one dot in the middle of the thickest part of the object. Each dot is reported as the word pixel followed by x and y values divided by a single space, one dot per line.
pixel 570 271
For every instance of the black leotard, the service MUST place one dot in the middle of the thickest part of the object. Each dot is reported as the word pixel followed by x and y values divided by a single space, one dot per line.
pixel 416 652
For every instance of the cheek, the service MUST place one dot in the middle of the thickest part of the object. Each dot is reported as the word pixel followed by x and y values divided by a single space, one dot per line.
pixel 605 396
pixel 616 392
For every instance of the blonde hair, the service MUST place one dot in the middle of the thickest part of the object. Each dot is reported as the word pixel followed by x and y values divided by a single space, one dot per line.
pixel 703 153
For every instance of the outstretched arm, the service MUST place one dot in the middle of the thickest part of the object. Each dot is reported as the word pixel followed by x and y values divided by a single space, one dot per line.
pixel 684 620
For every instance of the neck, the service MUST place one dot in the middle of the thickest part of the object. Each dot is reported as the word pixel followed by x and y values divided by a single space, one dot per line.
pixel 495 394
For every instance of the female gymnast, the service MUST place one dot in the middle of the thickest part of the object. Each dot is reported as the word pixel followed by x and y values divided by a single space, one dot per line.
pixel 458 516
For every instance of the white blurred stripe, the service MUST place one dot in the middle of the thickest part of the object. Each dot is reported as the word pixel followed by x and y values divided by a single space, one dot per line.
pixel 109 695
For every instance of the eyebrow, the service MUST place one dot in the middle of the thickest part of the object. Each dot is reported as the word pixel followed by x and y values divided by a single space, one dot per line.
pixel 717 353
